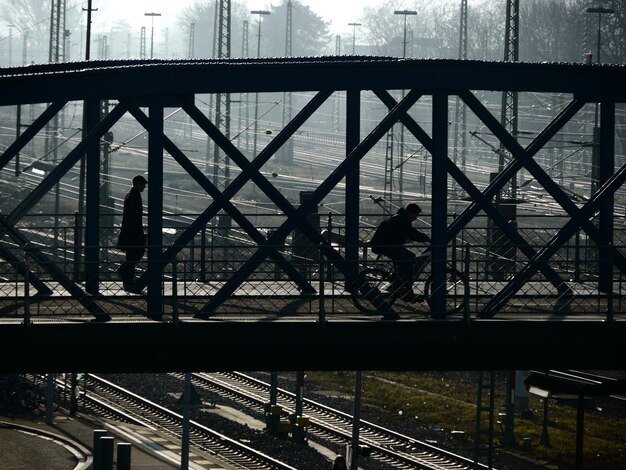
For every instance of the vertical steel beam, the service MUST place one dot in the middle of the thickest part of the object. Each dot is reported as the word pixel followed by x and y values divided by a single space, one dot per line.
pixel 353 130
pixel 440 201
pixel 155 210
pixel 92 209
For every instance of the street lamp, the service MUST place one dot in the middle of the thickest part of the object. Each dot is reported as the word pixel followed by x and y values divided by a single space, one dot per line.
pixel 405 13
pixel 152 15
pixel 260 13
pixel 595 157
pixel 256 95
pixel 600 11
pixel 354 25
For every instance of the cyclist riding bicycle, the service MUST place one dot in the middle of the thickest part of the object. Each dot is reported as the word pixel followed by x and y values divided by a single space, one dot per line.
pixel 388 240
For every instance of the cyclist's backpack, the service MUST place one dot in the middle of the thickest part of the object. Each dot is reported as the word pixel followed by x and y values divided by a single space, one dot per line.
pixel 379 237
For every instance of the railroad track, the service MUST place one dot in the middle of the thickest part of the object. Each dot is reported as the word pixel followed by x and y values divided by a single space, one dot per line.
pixel 107 400
pixel 385 445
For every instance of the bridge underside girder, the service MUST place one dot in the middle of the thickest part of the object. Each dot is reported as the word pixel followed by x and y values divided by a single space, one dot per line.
pixel 303 345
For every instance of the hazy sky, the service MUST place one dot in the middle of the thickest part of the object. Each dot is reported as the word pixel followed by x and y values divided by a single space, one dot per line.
pixel 338 12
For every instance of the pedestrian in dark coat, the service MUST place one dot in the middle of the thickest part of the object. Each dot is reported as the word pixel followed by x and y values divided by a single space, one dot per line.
pixel 132 238
pixel 388 240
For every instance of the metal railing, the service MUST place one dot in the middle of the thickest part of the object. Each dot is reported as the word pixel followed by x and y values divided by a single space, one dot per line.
pixel 49 276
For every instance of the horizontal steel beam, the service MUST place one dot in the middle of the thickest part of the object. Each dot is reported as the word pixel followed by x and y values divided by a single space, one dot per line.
pixel 164 79
pixel 310 345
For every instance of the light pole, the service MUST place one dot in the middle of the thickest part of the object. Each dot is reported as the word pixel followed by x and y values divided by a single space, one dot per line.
pixel 595 157
pixel 404 13
pixel 256 95
pixel 354 25
pixel 88 38
pixel 152 15
pixel 600 11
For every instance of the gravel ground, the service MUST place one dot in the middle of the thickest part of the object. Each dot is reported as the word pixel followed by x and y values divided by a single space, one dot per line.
pixel 165 390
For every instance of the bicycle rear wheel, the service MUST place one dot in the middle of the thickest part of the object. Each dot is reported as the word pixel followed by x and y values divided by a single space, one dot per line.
pixel 371 290
pixel 457 290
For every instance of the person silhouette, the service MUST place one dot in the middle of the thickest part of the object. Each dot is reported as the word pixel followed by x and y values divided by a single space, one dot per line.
pixel 388 240
pixel 132 238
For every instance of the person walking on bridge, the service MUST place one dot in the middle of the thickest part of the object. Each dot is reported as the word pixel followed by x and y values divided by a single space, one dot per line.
pixel 132 238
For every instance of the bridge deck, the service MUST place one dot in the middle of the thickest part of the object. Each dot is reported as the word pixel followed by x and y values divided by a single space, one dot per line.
pixel 257 331
pixel 342 342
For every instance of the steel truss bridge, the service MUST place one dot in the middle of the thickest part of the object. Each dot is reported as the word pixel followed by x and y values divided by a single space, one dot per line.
pixel 227 292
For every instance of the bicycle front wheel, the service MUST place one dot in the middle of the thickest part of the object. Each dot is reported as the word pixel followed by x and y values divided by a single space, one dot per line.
pixel 457 290
pixel 371 290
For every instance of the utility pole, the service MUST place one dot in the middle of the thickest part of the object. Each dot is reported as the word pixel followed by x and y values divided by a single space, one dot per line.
pixel 286 151
pixel 600 170
pixel 192 41
pixel 595 156
pixel 19 108
pixel 460 141
pixel 55 55
pixel 354 26
pixel 88 38
pixel 508 114
pixel 221 164
pixel 82 170
pixel 336 101
pixel 152 15
pixel 24 47
pixel 57 30
pixel 261 13
pixel 243 97
pixel 508 119
pixel 142 43
pixel 11 26
pixel 401 161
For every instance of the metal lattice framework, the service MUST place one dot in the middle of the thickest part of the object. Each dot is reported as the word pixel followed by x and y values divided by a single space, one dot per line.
pixel 57 31
pixel 460 135
pixel 134 85
pixel 509 111
pixel 221 164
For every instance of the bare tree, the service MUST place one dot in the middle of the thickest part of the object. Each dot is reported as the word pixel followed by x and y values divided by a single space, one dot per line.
pixel 31 19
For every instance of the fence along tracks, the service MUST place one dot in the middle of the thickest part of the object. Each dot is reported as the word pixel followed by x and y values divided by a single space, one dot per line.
pixel 386 445
pixel 108 400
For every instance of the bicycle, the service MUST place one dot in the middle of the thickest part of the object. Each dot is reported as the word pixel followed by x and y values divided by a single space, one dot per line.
pixel 375 288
